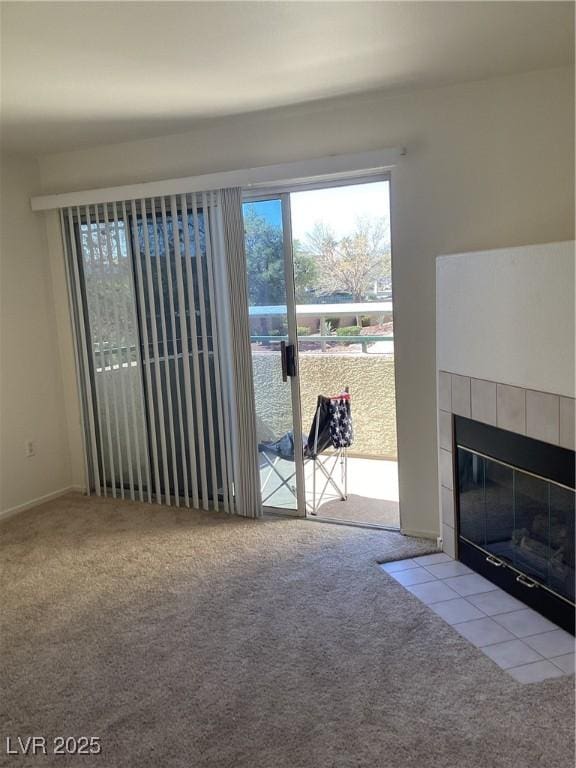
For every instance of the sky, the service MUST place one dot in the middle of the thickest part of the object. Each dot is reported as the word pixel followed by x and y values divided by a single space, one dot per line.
pixel 338 207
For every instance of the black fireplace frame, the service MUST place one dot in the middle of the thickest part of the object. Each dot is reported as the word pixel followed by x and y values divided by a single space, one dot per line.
pixel 533 456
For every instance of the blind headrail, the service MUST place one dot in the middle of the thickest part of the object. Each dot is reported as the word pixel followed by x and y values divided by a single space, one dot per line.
pixel 300 171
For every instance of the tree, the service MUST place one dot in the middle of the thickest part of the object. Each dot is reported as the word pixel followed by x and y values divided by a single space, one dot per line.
pixel 265 260
pixel 353 263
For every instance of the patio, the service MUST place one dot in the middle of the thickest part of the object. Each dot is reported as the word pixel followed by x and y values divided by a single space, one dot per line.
pixel 372 492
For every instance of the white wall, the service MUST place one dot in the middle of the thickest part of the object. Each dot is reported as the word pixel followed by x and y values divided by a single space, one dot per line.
pixel 508 316
pixel 31 391
pixel 490 165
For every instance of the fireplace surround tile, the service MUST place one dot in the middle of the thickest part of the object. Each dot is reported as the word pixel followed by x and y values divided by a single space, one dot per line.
pixel 567 419
pixel 511 408
pixel 446 471
pixel 483 401
pixel 448 540
pixel 445 429
pixel 543 416
pixel 444 391
pixel 461 395
pixel 448 511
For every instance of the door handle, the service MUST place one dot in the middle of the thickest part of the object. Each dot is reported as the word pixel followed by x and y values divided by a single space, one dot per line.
pixel 525 581
pixel 288 359
pixel 283 361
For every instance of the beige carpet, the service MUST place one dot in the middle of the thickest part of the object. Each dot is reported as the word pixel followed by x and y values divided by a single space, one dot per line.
pixel 190 640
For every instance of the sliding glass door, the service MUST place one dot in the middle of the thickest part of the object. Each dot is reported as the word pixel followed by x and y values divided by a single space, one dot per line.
pixel 274 356
pixel 321 322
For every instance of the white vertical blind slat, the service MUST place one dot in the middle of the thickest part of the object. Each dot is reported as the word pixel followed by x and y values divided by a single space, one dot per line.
pixel 186 353
pixel 224 324
pixel 75 284
pixel 181 464
pixel 111 341
pixel 195 364
pixel 246 475
pixel 207 207
pixel 164 359
pixel 98 339
pixel 157 414
pixel 126 373
pixel 205 352
pixel 117 344
pixel 146 347
pixel 132 315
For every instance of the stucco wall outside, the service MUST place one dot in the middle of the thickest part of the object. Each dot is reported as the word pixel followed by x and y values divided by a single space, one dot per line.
pixel 370 378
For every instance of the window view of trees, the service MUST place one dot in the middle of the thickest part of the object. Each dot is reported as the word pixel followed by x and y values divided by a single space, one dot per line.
pixel 327 269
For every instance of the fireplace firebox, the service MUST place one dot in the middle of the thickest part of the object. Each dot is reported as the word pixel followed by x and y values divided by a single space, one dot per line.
pixel 515 515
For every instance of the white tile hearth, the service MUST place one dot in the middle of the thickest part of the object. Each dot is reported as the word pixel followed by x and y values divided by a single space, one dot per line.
pixel 432 591
pixel 399 565
pixel 495 602
pixel 413 576
pixel 536 672
pixel 437 557
pixel 550 644
pixel 511 653
pixel 456 611
pixel 473 584
pixel 525 622
pixel 514 637
pixel 566 663
pixel 445 570
pixel 484 631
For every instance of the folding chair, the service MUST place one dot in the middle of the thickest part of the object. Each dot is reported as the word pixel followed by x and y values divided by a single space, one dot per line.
pixel 331 428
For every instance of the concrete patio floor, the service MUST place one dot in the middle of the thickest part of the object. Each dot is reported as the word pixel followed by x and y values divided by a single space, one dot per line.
pixel 372 492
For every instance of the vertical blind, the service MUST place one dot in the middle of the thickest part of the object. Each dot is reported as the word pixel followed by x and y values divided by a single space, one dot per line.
pixel 159 299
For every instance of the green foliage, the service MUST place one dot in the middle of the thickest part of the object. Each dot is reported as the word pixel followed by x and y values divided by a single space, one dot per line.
pixel 265 260
pixel 349 330
pixel 265 257
pixel 303 330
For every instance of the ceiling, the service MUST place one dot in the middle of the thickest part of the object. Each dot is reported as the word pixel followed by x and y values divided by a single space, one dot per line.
pixel 77 74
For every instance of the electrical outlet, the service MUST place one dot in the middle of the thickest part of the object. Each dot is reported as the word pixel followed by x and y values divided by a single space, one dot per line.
pixel 30 448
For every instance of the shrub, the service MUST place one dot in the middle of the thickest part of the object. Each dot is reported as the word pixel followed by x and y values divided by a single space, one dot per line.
pixel 303 330
pixel 349 330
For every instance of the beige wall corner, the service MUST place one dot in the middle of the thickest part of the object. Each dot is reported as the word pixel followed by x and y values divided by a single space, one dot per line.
pixel 32 404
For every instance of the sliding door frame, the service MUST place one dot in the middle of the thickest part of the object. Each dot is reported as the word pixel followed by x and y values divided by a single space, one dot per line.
pixel 282 191
pixel 253 196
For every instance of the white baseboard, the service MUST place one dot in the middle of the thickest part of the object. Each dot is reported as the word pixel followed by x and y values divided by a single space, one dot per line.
pixel 5 513
pixel 420 534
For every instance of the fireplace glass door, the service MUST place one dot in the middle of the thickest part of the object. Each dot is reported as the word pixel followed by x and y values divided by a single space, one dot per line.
pixel 521 519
